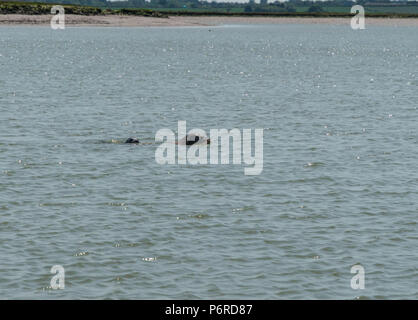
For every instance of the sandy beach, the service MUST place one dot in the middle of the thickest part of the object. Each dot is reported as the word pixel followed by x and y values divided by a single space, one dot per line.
pixel 179 21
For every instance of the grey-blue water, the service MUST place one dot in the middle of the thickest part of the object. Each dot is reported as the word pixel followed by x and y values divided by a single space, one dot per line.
pixel 339 185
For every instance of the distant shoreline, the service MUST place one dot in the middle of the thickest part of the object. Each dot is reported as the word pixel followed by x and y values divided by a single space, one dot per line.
pixel 73 20
pixel 27 13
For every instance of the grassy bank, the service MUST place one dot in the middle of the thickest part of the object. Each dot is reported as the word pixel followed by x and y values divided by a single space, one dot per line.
pixel 291 14
pixel 36 8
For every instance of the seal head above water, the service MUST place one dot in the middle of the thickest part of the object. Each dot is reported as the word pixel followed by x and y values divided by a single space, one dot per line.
pixel 132 140
pixel 192 139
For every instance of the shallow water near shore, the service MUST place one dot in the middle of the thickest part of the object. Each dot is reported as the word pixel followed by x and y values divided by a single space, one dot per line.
pixel 338 188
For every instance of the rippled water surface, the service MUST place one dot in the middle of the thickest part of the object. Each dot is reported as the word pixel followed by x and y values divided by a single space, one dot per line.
pixel 339 185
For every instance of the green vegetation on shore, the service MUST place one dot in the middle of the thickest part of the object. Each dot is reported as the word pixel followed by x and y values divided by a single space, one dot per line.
pixel 251 6
pixel 291 9
pixel 36 8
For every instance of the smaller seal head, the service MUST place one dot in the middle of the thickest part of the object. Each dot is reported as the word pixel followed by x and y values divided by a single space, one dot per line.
pixel 132 140
pixel 191 139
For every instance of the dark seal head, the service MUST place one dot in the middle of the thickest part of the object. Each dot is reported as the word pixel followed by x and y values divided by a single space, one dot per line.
pixel 191 139
pixel 132 140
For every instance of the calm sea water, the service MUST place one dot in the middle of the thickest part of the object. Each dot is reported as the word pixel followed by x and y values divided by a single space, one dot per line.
pixel 339 185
